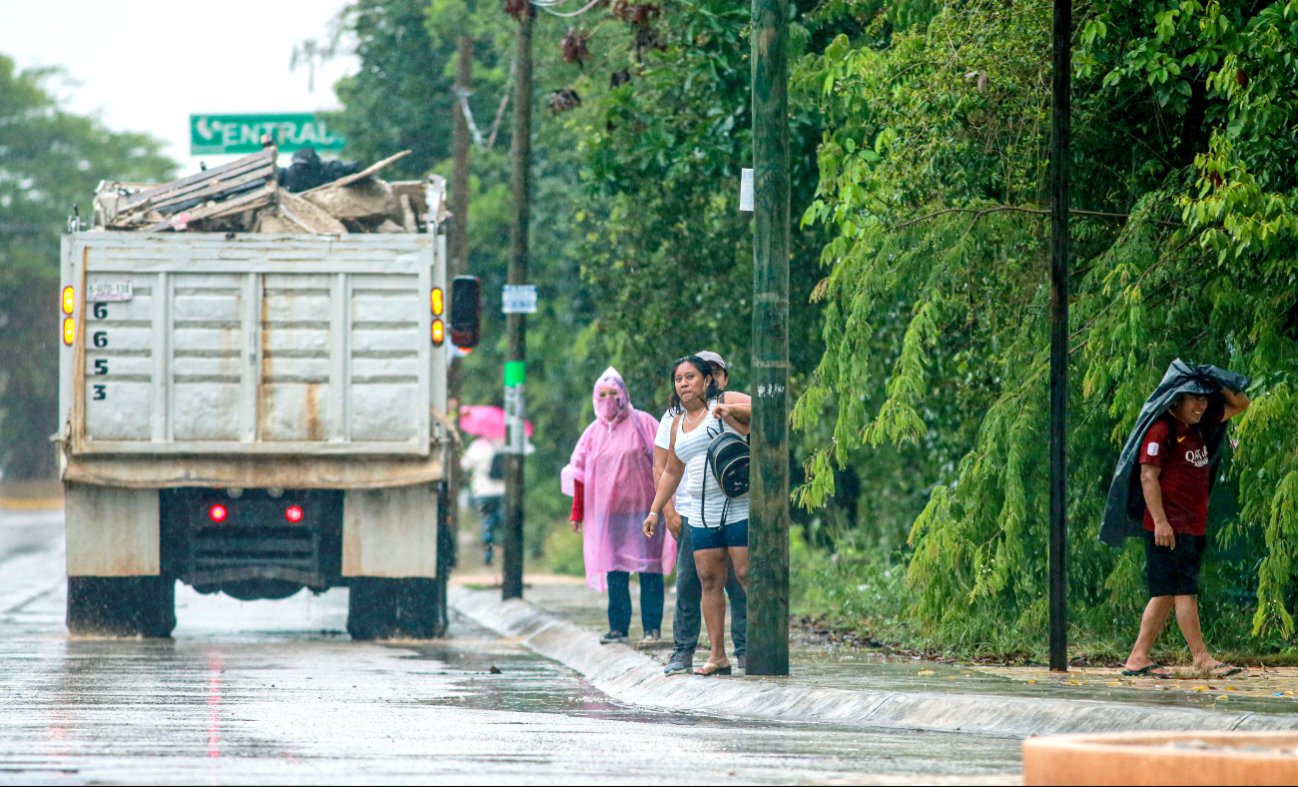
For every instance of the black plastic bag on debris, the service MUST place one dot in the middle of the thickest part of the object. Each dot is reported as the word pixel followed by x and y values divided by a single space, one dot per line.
pixel 307 170
pixel 1124 509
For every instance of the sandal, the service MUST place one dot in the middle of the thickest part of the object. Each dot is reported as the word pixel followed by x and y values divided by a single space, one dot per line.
pixel 1150 670
pixel 712 668
pixel 1223 670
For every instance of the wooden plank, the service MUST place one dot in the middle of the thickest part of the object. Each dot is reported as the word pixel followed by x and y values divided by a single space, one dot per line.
pixel 249 162
pixel 355 176
pixel 207 192
pixel 256 199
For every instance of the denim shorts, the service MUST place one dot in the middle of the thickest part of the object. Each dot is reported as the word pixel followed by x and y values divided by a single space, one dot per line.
pixel 734 534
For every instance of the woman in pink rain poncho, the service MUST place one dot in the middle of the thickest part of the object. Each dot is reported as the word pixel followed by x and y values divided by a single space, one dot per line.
pixel 610 478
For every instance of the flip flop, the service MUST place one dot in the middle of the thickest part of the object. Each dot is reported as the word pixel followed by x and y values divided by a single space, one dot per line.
pixel 1223 670
pixel 1147 671
pixel 712 669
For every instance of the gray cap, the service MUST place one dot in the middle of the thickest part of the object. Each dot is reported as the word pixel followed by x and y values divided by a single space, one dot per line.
pixel 712 357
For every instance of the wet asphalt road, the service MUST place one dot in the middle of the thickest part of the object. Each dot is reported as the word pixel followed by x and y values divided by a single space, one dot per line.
pixel 275 692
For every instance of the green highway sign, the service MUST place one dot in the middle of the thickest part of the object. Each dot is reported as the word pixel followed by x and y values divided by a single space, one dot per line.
pixel 243 133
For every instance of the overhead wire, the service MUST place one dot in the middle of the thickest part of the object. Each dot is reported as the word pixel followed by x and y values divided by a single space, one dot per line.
pixel 546 5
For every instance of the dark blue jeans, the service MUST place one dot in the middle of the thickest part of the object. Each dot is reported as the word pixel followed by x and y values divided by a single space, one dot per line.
pixel 619 601
pixel 490 508
pixel 688 616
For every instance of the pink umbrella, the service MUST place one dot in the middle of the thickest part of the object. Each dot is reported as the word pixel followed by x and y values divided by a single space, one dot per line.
pixel 486 420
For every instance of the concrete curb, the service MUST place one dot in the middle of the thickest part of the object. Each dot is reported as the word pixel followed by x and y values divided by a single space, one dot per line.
pixel 633 678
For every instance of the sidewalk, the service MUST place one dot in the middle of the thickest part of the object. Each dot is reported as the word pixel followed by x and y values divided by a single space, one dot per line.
pixel 562 620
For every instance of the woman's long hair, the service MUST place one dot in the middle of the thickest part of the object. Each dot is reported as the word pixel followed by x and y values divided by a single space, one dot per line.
pixel 704 370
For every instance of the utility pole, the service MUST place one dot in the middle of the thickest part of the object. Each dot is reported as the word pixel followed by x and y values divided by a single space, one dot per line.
pixel 1059 126
pixel 768 574
pixel 520 185
pixel 460 142
pixel 459 237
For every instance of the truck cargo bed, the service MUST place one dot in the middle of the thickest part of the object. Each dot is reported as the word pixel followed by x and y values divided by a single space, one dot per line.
pixel 240 346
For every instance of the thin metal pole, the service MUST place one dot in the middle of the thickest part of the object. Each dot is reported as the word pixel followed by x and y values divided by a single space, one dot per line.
pixel 768 572
pixel 520 184
pixel 459 261
pixel 1059 153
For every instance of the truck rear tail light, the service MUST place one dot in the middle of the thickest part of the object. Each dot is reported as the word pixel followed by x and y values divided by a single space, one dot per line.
pixel 69 300
pixel 218 513
pixel 439 333
pixel 69 330
pixel 293 514
pixel 437 301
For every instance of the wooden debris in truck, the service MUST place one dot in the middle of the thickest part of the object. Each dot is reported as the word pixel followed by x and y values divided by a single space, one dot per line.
pixel 246 196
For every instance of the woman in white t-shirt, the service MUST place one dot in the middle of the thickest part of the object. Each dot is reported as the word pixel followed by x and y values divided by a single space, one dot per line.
pixel 718 524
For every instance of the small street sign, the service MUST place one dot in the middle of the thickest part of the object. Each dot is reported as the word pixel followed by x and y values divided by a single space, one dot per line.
pixel 242 133
pixel 518 299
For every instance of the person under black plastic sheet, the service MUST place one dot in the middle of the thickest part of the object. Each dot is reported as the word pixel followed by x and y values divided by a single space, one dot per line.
pixel 1173 453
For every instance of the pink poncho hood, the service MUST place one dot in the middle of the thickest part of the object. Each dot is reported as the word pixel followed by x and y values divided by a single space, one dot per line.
pixel 611 410
pixel 614 462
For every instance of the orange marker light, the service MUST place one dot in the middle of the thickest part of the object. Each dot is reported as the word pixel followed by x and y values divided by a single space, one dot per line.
pixel 437 301
pixel 439 333
pixel 69 300
pixel 69 331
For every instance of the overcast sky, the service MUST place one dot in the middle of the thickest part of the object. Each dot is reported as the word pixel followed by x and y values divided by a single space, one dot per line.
pixel 146 65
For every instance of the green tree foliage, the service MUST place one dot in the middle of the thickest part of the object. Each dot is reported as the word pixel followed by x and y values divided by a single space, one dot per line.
pixel 400 97
pixel 933 175
pixel 50 161
pixel 666 247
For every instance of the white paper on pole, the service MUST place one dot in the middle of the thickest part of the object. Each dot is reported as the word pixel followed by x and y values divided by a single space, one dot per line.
pixel 518 299
pixel 746 190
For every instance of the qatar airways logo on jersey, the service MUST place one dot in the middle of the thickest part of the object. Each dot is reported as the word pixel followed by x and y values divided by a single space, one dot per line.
pixel 1198 458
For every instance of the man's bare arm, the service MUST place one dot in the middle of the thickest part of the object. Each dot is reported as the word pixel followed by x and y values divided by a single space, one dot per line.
pixel 1236 403
pixel 1164 536
pixel 737 410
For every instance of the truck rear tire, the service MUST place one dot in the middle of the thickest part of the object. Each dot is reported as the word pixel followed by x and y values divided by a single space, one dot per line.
pixel 394 609
pixel 121 606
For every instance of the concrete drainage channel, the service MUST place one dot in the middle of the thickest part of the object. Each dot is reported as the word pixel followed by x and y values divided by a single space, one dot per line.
pixel 633 678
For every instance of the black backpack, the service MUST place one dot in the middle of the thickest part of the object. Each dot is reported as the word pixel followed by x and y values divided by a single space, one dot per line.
pixel 497 470
pixel 728 462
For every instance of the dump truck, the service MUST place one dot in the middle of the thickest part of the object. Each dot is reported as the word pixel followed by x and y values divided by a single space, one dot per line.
pixel 256 413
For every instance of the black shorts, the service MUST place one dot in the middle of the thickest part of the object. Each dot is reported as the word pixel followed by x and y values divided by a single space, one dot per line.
pixel 1174 572
pixel 734 534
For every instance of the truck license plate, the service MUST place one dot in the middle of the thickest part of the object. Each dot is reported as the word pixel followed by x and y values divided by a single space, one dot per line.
pixel 109 291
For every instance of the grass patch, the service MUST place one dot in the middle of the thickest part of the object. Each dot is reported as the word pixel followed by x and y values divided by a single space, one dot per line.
pixel 861 591
pixel 563 552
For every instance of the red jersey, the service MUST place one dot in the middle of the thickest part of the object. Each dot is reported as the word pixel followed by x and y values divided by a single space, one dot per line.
pixel 1185 478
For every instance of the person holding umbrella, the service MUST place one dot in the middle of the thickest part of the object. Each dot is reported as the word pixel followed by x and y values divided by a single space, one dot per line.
pixel 484 460
pixel 610 478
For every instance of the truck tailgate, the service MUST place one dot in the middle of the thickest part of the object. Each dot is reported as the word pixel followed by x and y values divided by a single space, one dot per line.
pixel 250 344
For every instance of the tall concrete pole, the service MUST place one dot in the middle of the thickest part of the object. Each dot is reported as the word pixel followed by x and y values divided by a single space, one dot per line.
pixel 520 185
pixel 460 142
pixel 768 566
pixel 1059 153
